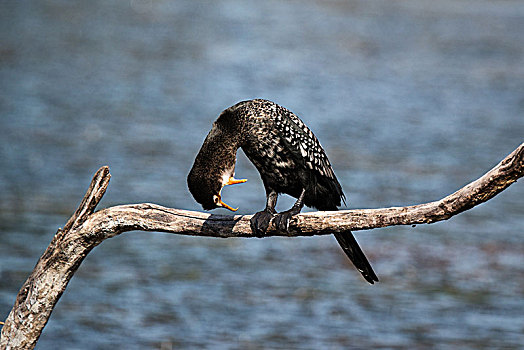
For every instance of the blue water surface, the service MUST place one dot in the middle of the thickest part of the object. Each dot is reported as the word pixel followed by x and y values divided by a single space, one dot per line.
pixel 410 99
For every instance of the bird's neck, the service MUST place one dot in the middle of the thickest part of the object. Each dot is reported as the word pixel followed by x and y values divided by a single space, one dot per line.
pixel 218 152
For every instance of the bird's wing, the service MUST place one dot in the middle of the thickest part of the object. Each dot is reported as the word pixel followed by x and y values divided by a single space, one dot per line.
pixel 303 144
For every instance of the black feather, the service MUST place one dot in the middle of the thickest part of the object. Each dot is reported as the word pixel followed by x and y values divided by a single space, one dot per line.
pixel 289 158
pixel 350 246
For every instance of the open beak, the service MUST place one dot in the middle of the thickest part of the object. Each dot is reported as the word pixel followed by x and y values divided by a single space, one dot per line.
pixel 224 205
pixel 231 181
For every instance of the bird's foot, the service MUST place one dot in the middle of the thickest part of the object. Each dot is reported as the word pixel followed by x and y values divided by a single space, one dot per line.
pixel 282 219
pixel 260 222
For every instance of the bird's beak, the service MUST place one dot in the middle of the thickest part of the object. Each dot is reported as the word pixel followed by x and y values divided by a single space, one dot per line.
pixel 224 205
pixel 231 181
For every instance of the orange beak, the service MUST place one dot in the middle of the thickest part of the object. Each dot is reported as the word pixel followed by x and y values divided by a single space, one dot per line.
pixel 231 181
pixel 224 205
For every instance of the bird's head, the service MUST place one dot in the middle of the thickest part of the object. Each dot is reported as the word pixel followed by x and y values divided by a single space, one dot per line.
pixel 207 189
pixel 214 165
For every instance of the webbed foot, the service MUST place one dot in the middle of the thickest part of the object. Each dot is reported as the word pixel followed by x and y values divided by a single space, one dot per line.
pixel 260 222
pixel 281 220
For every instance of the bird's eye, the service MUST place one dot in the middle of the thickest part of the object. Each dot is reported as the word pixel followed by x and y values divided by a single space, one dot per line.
pixel 216 199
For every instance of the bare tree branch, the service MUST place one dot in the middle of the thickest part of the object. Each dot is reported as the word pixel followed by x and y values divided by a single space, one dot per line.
pixel 40 292
pixel 86 229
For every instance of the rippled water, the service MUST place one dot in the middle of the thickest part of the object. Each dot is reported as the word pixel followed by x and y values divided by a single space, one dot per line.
pixel 411 99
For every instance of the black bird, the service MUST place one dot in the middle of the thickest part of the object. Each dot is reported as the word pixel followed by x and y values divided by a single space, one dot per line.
pixel 289 159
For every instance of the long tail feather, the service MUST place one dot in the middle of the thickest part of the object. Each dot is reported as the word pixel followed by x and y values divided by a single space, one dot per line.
pixel 352 249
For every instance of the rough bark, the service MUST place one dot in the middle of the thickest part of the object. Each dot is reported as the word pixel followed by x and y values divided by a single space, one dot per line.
pixel 86 229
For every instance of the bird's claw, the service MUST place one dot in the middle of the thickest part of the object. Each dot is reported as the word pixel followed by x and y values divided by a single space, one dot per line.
pixel 260 222
pixel 282 220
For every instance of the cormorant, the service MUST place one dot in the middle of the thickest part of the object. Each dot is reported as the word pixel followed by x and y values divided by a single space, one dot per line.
pixel 289 159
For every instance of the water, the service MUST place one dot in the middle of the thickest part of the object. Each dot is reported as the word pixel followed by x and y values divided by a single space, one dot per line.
pixel 411 100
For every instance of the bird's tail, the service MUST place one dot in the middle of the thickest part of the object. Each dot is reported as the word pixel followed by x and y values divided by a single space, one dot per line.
pixel 350 246
pixel 356 255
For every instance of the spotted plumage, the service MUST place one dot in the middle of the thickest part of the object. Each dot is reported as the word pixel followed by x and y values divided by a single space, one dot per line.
pixel 289 159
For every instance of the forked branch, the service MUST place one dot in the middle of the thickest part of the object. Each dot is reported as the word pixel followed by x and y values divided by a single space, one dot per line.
pixel 86 229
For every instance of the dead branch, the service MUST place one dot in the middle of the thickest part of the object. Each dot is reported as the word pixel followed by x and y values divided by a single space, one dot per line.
pixel 86 229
